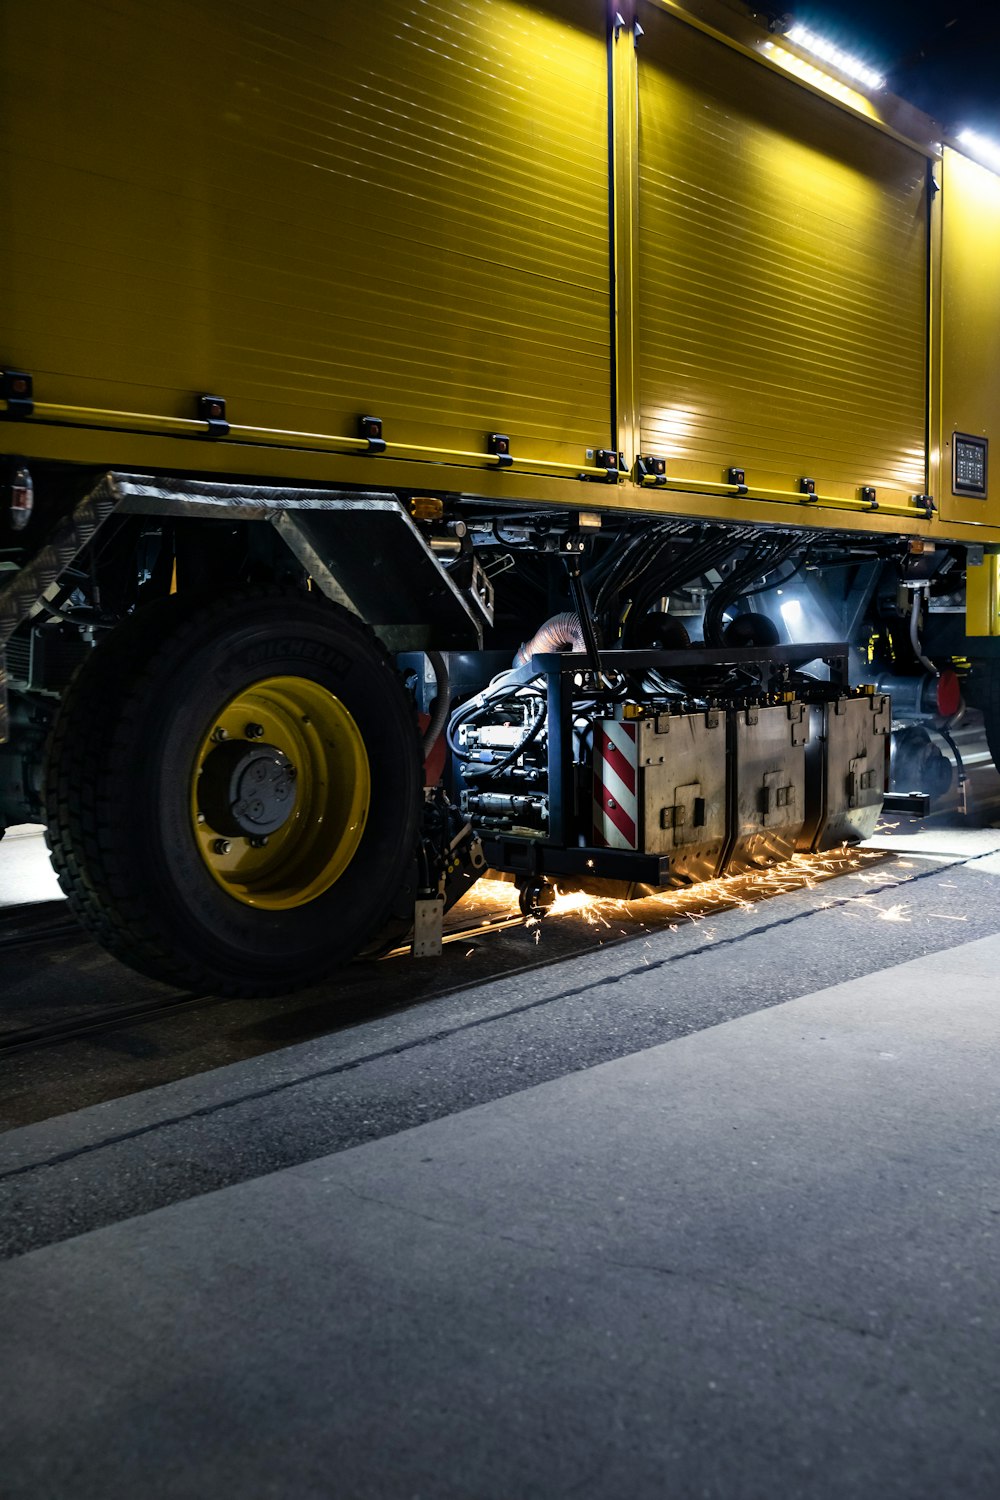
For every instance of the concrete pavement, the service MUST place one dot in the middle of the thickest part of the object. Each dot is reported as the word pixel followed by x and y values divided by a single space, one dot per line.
pixel 759 1260
pixel 26 873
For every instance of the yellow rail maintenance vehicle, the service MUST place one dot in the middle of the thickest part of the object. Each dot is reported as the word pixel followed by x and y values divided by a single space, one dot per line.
pixel 445 433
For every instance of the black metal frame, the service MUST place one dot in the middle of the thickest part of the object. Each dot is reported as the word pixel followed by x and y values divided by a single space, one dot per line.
pixel 534 857
pixel 570 677
pixel 915 804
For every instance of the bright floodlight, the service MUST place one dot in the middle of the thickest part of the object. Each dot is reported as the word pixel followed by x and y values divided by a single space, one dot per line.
pixel 844 63
pixel 791 613
pixel 988 151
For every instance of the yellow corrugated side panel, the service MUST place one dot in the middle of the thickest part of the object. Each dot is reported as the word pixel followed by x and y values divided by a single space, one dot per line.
pixel 782 278
pixel 970 330
pixel 314 209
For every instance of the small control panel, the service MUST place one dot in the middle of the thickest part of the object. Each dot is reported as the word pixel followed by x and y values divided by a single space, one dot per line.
pixel 969 465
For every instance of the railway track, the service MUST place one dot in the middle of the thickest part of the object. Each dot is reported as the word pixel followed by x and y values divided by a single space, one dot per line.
pixel 46 922
pixel 110 1018
pixel 49 923
pixel 595 920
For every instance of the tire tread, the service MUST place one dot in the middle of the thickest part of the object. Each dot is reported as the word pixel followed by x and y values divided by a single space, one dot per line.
pixel 86 822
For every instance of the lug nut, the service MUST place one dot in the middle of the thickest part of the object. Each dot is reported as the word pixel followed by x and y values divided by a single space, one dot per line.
pixel 254 731
pixel 259 841
pixel 220 733
pixel 221 846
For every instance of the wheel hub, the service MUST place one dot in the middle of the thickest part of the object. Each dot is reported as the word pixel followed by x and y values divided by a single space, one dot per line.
pixel 280 788
pixel 247 790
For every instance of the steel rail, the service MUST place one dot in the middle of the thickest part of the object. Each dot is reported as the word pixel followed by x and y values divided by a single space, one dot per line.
pixel 109 1018
pixel 28 1038
pixel 37 922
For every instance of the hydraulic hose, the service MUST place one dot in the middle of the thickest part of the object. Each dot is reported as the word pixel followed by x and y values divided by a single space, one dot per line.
pixel 758 563
pixel 585 616
pixel 918 650
pixel 441 704
pixel 528 738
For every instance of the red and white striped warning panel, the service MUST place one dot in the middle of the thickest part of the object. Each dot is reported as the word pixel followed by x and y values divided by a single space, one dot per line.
pixel 616 759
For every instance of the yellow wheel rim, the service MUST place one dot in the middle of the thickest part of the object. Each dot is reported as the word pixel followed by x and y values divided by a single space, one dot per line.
pixel 279 793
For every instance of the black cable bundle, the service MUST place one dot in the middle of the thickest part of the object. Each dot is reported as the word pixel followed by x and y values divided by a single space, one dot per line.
pixel 638 555
pixel 762 558
pixel 713 548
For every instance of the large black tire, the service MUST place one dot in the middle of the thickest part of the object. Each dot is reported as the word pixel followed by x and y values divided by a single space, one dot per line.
pixel 986 696
pixel 118 792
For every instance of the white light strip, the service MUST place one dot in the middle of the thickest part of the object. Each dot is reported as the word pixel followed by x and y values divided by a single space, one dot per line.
pixel 981 145
pixel 851 67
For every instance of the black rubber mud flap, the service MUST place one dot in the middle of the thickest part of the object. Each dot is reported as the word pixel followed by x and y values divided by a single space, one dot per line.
pixel 118 792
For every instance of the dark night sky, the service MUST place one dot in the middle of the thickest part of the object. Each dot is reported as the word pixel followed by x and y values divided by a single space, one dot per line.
pixel 942 55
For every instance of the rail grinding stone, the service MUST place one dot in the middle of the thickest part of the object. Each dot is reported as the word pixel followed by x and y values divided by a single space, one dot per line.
pixel 760 1259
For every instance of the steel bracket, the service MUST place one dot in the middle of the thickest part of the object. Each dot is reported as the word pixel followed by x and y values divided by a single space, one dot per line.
pixel 428 927
pixel 17 389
